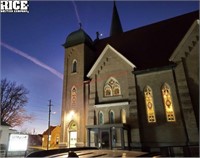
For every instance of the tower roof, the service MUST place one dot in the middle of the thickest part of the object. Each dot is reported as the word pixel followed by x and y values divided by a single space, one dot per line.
pixel 116 27
pixel 78 37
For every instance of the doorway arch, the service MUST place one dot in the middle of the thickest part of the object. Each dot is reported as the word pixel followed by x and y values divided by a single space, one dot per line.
pixel 72 134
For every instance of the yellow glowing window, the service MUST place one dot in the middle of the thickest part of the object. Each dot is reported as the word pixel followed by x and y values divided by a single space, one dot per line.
pixel 167 100
pixel 148 94
pixel 108 90
pixel 123 116
pixel 112 87
pixel 73 95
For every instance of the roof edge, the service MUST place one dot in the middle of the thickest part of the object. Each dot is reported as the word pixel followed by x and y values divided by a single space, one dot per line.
pixel 101 56
pixel 185 38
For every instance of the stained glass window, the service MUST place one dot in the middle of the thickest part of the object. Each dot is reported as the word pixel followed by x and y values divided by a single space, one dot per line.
pixel 108 90
pixel 101 118
pixel 112 87
pixel 123 116
pixel 167 100
pixel 72 126
pixel 148 94
pixel 111 115
pixel 73 96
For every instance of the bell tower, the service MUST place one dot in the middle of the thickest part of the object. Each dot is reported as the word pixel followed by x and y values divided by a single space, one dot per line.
pixel 78 51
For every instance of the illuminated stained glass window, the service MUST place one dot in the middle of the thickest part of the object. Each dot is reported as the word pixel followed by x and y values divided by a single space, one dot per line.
pixel 108 90
pixel 101 120
pixel 123 116
pixel 111 116
pixel 73 96
pixel 148 94
pixel 167 100
pixel 74 66
pixel 72 126
pixel 112 87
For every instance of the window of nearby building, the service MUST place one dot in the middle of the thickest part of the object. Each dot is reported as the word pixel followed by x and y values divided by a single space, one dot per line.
pixel 57 140
pixel 73 95
pixel 101 120
pixel 74 66
pixel 148 95
pixel 112 87
pixel 167 100
pixel 111 117
pixel 49 138
pixel 123 116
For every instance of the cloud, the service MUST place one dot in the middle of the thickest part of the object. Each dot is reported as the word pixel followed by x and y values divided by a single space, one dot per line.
pixel 32 59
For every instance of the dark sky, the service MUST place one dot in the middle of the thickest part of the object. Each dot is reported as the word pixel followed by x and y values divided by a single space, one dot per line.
pixel 31 43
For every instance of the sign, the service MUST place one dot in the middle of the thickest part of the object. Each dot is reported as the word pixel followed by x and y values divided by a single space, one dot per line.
pixel 14 6
pixel 18 142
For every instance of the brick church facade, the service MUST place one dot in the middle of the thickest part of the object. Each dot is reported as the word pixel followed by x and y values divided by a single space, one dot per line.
pixel 133 90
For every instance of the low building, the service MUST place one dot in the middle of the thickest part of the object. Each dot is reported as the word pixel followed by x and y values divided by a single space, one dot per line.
pixel 35 140
pixel 54 136
pixel 5 131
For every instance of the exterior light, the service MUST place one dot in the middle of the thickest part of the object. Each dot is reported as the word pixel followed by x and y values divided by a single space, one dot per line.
pixel 71 115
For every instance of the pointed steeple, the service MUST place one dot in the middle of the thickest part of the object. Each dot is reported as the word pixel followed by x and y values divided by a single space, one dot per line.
pixel 116 27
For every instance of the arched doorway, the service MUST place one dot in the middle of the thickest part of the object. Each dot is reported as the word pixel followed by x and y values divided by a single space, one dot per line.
pixel 72 134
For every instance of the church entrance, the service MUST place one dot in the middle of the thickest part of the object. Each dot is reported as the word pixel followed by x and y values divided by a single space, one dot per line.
pixel 105 139
pixel 109 136
pixel 72 134
pixel 72 138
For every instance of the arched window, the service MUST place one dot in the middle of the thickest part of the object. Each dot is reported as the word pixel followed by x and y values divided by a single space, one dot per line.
pixel 123 116
pixel 148 95
pixel 72 126
pixel 74 66
pixel 101 120
pixel 111 117
pixel 168 104
pixel 108 91
pixel 73 96
pixel 112 87
pixel 116 89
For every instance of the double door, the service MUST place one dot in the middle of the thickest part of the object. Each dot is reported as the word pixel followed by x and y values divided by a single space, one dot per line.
pixel 105 139
pixel 72 138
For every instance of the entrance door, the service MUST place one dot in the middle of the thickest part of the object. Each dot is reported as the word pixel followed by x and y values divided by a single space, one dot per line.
pixel 105 139
pixel 72 139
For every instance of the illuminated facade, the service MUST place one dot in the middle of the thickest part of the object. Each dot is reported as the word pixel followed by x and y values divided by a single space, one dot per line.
pixel 121 92
pixel 54 137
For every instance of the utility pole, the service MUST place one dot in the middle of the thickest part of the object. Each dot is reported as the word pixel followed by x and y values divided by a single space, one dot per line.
pixel 49 124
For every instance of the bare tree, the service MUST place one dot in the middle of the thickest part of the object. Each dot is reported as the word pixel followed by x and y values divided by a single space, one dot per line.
pixel 13 101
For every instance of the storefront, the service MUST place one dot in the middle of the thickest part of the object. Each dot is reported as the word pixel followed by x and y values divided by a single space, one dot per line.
pixel 109 136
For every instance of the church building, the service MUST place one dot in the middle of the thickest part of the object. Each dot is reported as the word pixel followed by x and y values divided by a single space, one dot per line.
pixel 135 90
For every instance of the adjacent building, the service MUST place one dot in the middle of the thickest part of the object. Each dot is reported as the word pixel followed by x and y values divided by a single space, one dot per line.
pixel 53 133
pixel 134 90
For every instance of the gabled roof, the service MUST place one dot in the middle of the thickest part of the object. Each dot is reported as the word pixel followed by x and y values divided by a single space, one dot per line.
pixel 152 45
pixel 51 129
pixel 178 54
pixel 101 56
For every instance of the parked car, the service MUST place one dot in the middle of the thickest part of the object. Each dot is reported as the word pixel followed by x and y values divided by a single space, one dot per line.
pixel 90 152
